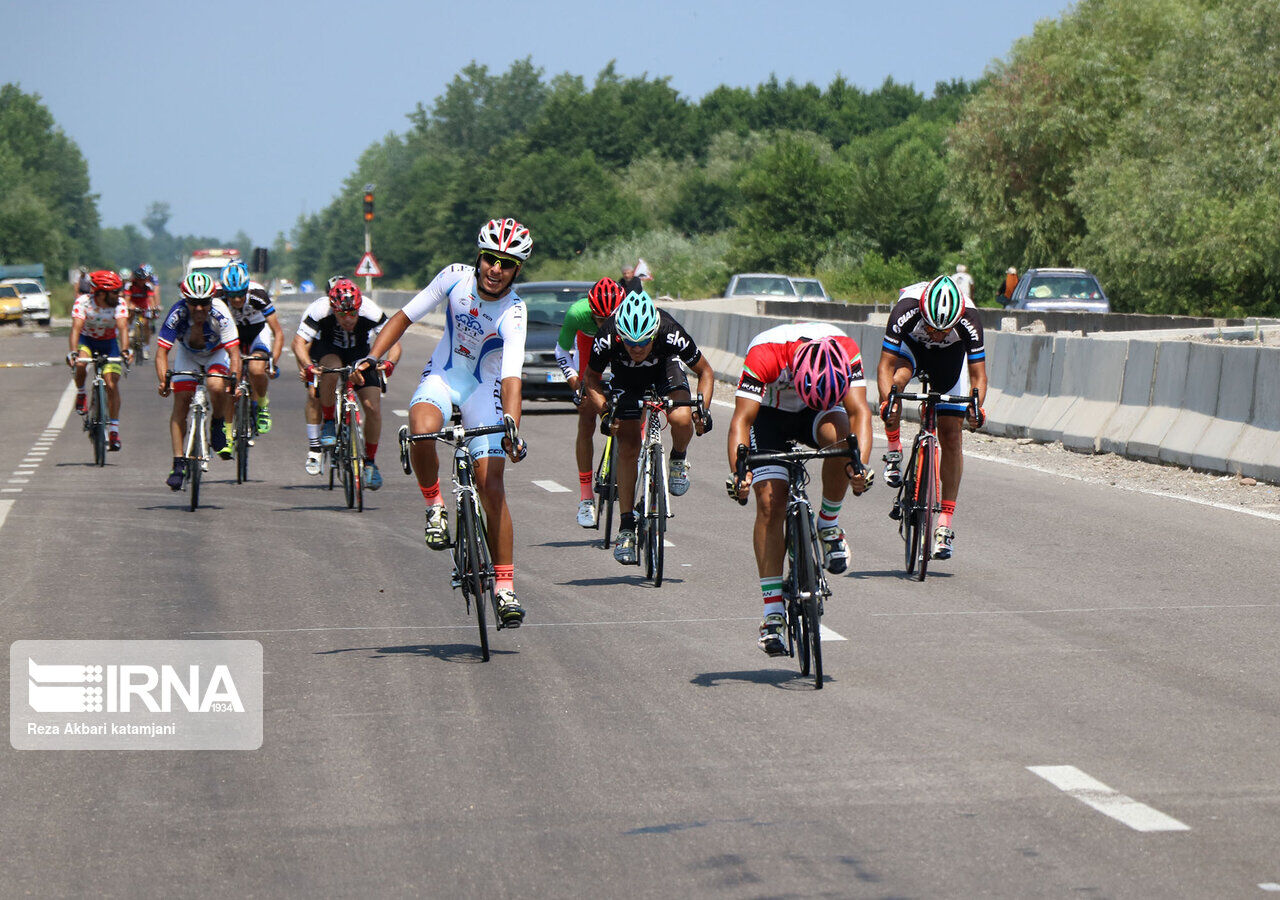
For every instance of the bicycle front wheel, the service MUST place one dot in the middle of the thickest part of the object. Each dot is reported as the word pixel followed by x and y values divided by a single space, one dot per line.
pixel 809 592
pixel 470 565
pixel 357 460
pixel 607 488
pixel 99 433
pixel 928 494
pixel 242 439
pixel 657 516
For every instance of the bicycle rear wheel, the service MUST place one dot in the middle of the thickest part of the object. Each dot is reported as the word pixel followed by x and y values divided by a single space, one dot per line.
pixel 928 493
pixel 908 525
pixel 99 431
pixel 809 589
pixel 357 459
pixel 471 569
pixel 242 434
pixel 658 517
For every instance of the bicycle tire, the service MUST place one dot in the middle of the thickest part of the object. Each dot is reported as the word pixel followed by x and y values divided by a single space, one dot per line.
pixel 908 526
pixel 811 599
pixel 99 425
pixel 658 526
pixel 608 488
pixel 242 439
pixel 195 441
pixel 357 458
pixel 928 483
pixel 343 460
pixel 797 625
pixel 472 571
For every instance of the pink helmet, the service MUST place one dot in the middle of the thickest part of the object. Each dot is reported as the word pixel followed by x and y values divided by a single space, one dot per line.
pixel 820 373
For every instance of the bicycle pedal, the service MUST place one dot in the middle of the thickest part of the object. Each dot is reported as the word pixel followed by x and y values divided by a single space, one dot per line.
pixel 204 465
pixel 895 513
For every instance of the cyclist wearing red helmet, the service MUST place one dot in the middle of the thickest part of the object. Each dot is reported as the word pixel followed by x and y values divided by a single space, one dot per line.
pixel 801 382
pixel 932 329
pixel 336 331
pixel 573 348
pixel 100 324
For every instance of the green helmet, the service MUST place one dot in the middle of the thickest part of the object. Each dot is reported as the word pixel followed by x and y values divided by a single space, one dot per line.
pixel 198 286
pixel 941 304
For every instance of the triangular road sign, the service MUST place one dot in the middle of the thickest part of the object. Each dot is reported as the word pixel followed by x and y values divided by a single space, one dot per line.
pixel 369 266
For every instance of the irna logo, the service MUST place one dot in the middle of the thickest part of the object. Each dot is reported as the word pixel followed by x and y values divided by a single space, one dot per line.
pixel 131 688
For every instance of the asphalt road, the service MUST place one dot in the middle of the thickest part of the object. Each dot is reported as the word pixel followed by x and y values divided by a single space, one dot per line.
pixel 632 741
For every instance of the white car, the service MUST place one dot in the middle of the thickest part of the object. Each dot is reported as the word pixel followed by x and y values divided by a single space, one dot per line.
pixel 35 299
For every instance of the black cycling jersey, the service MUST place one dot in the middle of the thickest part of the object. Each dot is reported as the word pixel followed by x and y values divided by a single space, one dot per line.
pixel 670 342
pixel 320 328
pixel 942 361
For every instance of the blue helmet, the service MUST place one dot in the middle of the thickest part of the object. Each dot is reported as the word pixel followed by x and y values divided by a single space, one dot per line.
pixel 234 277
pixel 636 318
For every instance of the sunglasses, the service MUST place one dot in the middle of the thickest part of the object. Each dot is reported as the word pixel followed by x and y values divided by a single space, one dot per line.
pixel 201 304
pixel 504 262
pixel 235 295
pixel 637 344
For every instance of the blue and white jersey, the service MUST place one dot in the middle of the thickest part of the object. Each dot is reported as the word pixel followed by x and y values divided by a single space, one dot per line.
pixel 483 339
pixel 219 328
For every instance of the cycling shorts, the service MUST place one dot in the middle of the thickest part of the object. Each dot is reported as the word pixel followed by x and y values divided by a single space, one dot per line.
pixel 480 403
pixel 349 355
pixel 774 429
pixel 262 344
pixel 108 346
pixel 184 359
pixel 666 379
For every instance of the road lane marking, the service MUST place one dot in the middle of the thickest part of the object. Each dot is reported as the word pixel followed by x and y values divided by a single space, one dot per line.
pixel 1107 801
pixel 472 626
pixel 1269 886
pixel 1275 517
pixel 10 490
pixel 828 635
pixel 552 487
pixel 63 410
pixel 1078 609
pixel 402 413
pixel 715 402
pixel 19 480
pixel 5 506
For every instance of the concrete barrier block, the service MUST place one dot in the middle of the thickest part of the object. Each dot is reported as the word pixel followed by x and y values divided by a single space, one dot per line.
pixel 1197 405
pixel 1166 395
pixel 1234 407
pixel 1135 397
pixel 1257 452
pixel 1013 350
pixel 1063 389
pixel 1102 377
pixel 1039 370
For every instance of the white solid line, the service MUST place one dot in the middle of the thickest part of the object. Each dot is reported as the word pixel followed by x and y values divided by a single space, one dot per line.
pixel 551 487
pixel 1275 517
pixel 1094 793
pixel 402 413
pixel 667 543
pixel 63 410
pixel 715 402
pixel 5 506
pixel 1077 609
pixel 828 635
pixel 472 626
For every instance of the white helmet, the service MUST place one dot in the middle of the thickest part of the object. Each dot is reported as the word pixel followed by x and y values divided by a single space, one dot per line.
pixel 505 236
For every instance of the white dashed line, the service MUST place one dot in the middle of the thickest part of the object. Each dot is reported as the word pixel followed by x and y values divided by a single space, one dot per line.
pixel 19 480
pixel 5 506
pixel 1269 886
pixel 1094 793
pixel 402 413
pixel 715 402
pixel 828 635
pixel 552 487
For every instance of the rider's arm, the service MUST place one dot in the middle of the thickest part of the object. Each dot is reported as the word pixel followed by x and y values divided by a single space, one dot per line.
pixel 277 339
pixel 389 335
pixel 706 380
pixel 162 363
pixel 122 332
pixel 855 405
pixel 891 373
pixel 77 326
pixel 301 352
pixel 745 411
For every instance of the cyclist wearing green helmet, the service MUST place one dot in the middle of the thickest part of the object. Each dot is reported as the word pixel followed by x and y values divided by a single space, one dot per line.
pixel 933 330
pixel 644 347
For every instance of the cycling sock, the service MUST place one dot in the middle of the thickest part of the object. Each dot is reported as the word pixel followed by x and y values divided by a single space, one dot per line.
pixel 677 455
pixel 771 588
pixel 895 439
pixel 584 484
pixel 313 435
pixel 80 391
pixel 330 412
pixel 829 516
pixel 432 494
pixel 504 578
pixel 113 425
pixel 628 522
pixel 263 402
pixel 218 424
pixel 948 510
pixel 370 451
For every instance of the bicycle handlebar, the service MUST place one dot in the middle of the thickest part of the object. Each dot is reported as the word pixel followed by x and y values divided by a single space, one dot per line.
pixel 456 434
pixel 896 396
pixel 746 458
pixel 348 370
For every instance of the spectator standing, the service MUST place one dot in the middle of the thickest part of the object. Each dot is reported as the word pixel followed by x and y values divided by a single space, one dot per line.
pixel 630 282
pixel 964 281
pixel 1010 282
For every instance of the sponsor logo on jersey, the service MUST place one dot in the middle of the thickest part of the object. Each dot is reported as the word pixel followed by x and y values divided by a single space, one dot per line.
pixel 468 323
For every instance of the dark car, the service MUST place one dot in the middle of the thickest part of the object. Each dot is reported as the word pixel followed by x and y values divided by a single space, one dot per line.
pixel 546 303
pixel 1059 290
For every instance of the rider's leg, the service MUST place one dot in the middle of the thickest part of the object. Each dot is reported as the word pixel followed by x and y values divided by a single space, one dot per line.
pixel 371 403
pixel 178 416
pixel 832 427
pixel 424 418
pixel 951 439
pixel 681 420
pixel 493 497
pixel 258 380
pixel 583 447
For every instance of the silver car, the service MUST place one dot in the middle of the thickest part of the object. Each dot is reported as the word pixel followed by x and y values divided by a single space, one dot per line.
pixel 35 299
pixel 1059 290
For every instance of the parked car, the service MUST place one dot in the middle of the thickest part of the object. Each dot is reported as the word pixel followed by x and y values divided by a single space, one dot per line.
pixel 810 289
pixel 1059 290
pixel 10 304
pixel 546 303
pixel 761 286
pixel 35 300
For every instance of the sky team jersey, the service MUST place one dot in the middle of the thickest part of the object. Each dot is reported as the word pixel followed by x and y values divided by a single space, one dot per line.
pixel 99 321
pixel 766 369
pixel 320 325
pixel 219 328
pixel 574 343
pixel 942 360
pixel 483 339
pixel 671 340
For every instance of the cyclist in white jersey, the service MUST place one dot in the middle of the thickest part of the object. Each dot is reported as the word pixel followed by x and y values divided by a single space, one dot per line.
pixel 475 367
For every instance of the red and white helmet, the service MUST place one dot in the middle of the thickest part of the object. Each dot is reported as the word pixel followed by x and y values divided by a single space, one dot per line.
pixel 344 296
pixel 505 236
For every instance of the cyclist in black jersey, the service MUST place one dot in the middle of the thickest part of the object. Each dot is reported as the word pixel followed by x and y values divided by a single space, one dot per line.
pixel 933 330
pixel 644 347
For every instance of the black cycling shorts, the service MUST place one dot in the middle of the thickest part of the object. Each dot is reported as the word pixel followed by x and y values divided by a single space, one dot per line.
pixel 667 378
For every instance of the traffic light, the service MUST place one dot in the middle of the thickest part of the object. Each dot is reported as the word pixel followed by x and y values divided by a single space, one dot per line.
pixel 368 206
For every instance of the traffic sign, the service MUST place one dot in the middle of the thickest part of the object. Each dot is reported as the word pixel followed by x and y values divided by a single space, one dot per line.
pixel 369 266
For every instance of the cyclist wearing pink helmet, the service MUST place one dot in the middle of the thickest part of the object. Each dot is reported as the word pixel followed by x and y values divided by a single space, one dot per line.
pixel 934 330
pixel 800 382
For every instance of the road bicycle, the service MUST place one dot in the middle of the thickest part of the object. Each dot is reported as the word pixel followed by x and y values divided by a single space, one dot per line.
pixel 345 459
pixel 606 477
pixel 920 493
pixel 136 342
pixel 651 495
pixel 196 448
pixel 96 412
pixel 804 585
pixel 246 421
pixel 472 564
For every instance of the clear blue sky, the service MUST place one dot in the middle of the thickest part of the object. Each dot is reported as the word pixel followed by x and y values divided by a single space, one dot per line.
pixel 244 115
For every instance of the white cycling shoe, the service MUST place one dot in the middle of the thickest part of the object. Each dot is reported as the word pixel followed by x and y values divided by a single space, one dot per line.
pixel 587 514
pixel 313 463
pixel 943 538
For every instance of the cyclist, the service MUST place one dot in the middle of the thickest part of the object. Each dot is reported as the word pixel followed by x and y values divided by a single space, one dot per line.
pixel 142 302
pixel 801 382
pixel 100 324
pixel 337 330
pixel 933 330
pixel 643 347
pixel 573 348
pixel 200 331
pixel 475 367
pixel 259 330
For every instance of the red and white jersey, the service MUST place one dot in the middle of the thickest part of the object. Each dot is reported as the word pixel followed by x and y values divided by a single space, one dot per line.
pixel 766 370
pixel 99 321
